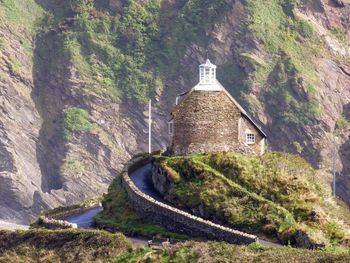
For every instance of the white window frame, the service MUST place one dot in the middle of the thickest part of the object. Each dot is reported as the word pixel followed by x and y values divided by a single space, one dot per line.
pixel 171 127
pixel 250 138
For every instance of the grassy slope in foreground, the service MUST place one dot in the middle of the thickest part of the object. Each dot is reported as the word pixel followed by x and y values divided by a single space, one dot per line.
pixel 61 246
pixel 276 195
pixel 211 252
pixel 98 246
pixel 119 214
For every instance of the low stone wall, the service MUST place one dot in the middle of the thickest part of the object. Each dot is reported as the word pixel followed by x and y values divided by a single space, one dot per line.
pixel 62 212
pixel 55 218
pixel 175 219
pixel 49 223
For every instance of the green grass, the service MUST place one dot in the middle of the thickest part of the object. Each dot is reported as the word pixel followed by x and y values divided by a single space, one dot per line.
pixel 291 46
pixel 343 121
pixel 111 50
pixel 22 14
pixel 61 246
pixel 276 195
pixel 192 252
pixel 119 214
pixel 99 246
pixel 72 168
pixel 76 120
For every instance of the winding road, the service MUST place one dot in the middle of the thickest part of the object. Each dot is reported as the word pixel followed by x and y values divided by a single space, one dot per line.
pixel 86 219
pixel 142 179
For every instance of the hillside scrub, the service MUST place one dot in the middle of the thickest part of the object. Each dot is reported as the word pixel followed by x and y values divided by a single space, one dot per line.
pixel 111 51
pixel 289 67
pixel 118 214
pixel 99 246
pixel 211 252
pixel 276 195
pixel 76 120
pixel 61 246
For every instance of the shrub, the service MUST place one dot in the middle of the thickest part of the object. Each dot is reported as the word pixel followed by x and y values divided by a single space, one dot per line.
pixel 82 6
pixel 76 120
pixel 72 168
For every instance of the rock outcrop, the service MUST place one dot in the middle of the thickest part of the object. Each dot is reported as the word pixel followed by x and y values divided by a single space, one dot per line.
pixel 40 169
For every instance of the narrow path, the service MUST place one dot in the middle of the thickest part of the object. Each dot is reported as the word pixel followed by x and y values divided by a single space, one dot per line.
pixel 142 179
pixel 85 220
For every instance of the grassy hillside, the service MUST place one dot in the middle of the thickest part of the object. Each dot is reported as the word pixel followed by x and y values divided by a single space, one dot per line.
pixel 211 252
pixel 98 246
pixel 276 195
pixel 61 246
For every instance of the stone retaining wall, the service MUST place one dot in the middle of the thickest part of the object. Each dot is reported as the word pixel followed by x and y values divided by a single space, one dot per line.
pixel 49 223
pixel 175 219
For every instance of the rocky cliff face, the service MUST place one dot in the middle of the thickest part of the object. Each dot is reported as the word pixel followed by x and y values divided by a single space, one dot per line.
pixel 289 70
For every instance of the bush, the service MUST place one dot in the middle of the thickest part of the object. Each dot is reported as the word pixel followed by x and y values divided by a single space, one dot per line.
pixel 72 168
pixel 82 6
pixel 76 120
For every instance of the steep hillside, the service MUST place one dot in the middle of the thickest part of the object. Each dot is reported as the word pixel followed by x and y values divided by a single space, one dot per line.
pixel 61 246
pixel 276 195
pixel 75 77
pixel 65 130
pixel 99 246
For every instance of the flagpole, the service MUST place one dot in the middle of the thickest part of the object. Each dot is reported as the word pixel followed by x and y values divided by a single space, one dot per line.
pixel 334 165
pixel 150 127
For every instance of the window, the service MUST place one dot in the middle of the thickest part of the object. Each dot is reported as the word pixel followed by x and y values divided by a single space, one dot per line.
pixel 250 138
pixel 171 127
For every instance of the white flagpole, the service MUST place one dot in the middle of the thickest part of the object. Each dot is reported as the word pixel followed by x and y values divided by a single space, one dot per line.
pixel 334 165
pixel 150 128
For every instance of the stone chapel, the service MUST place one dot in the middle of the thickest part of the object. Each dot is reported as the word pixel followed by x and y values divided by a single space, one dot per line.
pixel 208 119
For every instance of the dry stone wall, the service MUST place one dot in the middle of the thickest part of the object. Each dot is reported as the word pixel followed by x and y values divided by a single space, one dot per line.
pixel 259 145
pixel 205 121
pixel 50 223
pixel 175 219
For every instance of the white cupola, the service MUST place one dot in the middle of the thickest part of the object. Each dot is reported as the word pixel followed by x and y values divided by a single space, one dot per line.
pixel 207 77
pixel 207 73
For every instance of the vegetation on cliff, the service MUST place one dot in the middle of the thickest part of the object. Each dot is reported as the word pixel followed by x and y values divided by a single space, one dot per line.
pixel 76 120
pixel 276 195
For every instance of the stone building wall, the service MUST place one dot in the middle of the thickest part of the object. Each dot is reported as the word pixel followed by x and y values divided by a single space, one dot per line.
pixel 175 219
pixel 205 121
pixel 259 146
pixel 208 121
